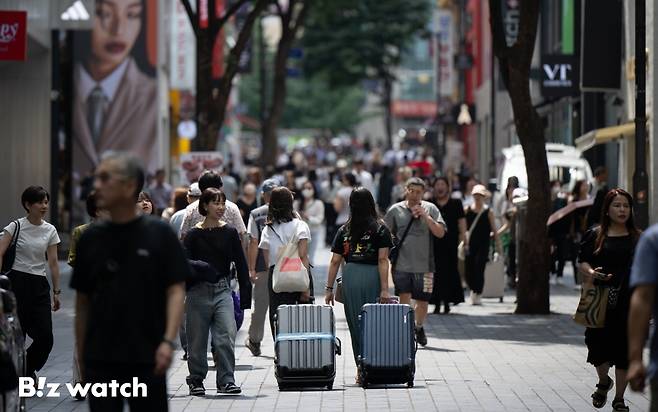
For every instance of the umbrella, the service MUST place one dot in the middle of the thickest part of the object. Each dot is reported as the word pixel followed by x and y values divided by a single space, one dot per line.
pixel 560 213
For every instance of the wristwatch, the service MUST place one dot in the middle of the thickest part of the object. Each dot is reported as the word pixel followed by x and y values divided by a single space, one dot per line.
pixel 57 291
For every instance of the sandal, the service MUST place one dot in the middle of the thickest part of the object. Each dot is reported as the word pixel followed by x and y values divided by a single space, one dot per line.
pixel 600 396
pixel 618 405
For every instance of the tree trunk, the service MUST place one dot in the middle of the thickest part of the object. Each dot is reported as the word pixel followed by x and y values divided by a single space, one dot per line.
pixel 290 27
pixel 211 102
pixel 221 95
pixel 534 255
pixel 388 113
pixel 203 140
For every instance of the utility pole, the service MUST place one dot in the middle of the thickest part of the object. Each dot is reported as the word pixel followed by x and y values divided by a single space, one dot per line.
pixel 640 178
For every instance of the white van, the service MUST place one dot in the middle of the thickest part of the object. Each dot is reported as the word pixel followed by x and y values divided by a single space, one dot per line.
pixel 565 163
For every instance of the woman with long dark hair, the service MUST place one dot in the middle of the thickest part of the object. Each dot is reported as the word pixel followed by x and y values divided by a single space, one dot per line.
pixel 282 225
pixel 447 282
pixel 606 256
pixel 363 243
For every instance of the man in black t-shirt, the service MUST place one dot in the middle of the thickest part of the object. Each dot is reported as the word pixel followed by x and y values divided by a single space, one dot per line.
pixel 129 276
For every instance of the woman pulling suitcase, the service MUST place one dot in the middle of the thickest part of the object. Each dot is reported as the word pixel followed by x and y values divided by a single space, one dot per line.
pixel 363 243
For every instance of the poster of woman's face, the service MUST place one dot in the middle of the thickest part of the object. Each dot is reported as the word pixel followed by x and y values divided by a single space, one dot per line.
pixel 116 27
pixel 115 86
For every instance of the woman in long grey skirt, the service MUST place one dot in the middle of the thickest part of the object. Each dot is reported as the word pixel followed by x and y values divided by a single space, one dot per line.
pixel 363 243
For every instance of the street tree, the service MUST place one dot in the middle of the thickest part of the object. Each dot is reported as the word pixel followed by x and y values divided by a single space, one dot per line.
pixel 311 103
pixel 515 60
pixel 355 40
pixel 212 95
pixel 292 16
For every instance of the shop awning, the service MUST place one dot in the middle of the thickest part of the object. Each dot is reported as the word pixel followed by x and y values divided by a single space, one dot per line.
pixel 604 135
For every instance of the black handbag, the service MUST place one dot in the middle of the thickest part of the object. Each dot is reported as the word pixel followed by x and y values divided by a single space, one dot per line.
pixel 394 252
pixel 10 254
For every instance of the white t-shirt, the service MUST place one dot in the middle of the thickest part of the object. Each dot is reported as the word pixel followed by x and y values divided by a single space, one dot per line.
pixel 344 215
pixel 33 242
pixel 271 242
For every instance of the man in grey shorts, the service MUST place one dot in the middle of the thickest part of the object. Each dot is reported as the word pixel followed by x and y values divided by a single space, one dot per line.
pixel 413 274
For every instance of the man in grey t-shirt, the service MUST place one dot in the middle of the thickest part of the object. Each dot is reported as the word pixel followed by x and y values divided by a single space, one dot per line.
pixel 258 270
pixel 413 274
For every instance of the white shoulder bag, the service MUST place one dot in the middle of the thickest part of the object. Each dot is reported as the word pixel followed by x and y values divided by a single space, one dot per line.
pixel 290 274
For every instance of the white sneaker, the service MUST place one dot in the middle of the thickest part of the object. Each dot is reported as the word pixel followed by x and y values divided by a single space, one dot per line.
pixel 478 299
pixel 473 298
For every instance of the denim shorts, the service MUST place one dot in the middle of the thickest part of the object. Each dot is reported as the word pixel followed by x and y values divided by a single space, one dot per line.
pixel 420 285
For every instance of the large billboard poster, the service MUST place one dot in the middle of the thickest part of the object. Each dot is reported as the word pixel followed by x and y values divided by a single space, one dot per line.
pixel 115 87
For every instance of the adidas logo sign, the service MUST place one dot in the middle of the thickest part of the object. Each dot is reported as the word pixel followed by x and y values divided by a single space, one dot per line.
pixel 76 11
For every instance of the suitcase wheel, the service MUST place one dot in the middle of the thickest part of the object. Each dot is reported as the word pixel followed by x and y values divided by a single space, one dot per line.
pixel 282 387
pixel 501 299
pixel 330 386
pixel 410 384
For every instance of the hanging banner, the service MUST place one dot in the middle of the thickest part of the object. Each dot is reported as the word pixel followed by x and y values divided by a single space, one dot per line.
pixel 115 86
pixel 182 52
pixel 445 29
pixel 13 35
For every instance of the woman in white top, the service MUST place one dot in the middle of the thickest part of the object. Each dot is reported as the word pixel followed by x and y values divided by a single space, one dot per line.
pixel 282 224
pixel 311 210
pixel 36 245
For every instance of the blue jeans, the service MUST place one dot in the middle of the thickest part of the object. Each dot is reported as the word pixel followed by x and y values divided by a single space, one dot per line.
pixel 209 308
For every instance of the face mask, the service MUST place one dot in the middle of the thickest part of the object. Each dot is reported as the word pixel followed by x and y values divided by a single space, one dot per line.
pixel 307 193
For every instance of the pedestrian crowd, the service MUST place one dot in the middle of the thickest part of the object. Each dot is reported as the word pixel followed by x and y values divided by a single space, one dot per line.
pixel 159 265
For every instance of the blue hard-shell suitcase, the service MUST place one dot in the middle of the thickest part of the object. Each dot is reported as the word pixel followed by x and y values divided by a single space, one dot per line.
pixel 305 346
pixel 388 344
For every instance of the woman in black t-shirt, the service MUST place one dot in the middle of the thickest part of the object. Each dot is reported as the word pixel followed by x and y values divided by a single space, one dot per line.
pixel 606 256
pixel 363 243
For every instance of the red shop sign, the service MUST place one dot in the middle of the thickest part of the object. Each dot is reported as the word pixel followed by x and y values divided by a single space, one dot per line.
pixel 13 35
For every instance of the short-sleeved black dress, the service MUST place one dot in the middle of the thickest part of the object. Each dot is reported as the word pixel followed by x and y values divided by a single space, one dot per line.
pixel 447 282
pixel 610 343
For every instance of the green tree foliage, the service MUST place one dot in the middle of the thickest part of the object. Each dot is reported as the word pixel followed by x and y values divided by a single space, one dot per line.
pixel 310 104
pixel 354 40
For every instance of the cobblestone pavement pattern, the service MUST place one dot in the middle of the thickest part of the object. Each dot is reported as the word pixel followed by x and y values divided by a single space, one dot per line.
pixel 478 359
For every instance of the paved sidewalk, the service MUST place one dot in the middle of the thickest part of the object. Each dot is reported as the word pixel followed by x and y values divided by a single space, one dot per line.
pixel 478 359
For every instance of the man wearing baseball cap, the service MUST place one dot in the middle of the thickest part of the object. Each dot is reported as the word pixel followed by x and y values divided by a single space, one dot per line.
pixel 258 269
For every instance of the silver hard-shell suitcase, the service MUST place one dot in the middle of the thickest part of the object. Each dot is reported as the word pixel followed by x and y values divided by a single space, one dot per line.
pixel 388 344
pixel 305 346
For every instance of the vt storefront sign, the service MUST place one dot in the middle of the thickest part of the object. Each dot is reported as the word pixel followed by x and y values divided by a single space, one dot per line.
pixel 559 75
pixel 13 35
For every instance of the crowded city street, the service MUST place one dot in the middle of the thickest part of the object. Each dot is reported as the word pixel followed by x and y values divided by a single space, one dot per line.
pixel 479 358
pixel 328 205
